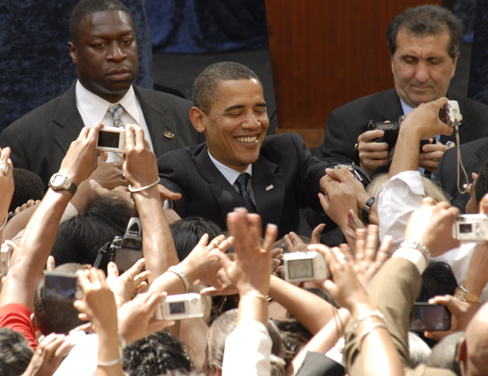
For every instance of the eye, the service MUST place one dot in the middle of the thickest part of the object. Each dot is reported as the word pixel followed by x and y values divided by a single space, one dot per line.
pixel 234 114
pixel 410 60
pixel 260 111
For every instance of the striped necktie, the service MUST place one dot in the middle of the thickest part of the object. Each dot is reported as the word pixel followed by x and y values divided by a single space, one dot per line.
pixel 241 182
pixel 117 110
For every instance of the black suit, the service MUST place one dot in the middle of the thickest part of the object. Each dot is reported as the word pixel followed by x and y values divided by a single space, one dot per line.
pixel 474 154
pixel 348 122
pixel 40 139
pixel 285 178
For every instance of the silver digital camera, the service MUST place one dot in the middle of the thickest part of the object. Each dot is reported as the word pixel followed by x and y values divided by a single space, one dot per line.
pixel 62 286
pixel 450 113
pixel 111 139
pixel 305 266
pixel 471 228
pixel 6 255
pixel 182 306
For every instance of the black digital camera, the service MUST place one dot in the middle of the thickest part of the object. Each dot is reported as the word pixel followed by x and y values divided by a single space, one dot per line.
pixel 390 130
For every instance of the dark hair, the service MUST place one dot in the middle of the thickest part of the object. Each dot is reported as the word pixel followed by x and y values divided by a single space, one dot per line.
pixel 15 353
pixel 28 186
pixel 444 353
pixel 154 355
pixel 220 330
pixel 426 20
pixel 56 316
pixel 205 86
pixel 188 231
pixel 80 238
pixel 437 279
pixel 86 8
pixel 294 336
pixel 481 185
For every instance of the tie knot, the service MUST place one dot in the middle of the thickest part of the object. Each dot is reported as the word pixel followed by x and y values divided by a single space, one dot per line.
pixel 115 109
pixel 242 179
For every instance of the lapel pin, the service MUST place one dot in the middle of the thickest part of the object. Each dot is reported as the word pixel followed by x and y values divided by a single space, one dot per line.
pixel 269 187
pixel 168 134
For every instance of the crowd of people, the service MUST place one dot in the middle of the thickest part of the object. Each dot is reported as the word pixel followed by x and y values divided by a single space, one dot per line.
pixel 180 252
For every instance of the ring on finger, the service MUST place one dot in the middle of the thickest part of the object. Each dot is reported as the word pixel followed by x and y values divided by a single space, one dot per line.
pixel 39 351
pixel 4 167
pixel 124 176
pixel 215 243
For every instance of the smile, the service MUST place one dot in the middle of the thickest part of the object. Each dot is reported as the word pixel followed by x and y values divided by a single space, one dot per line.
pixel 247 139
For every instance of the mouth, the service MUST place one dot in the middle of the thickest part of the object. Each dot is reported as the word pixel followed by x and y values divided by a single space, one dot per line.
pixel 119 74
pixel 247 139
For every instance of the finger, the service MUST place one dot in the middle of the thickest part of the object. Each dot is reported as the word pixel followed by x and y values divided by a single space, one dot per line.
pixel 112 269
pixel 371 242
pixel 384 250
pixel 135 269
pixel 224 260
pixel 483 206
pixel 210 291
pixel 59 354
pixel 324 202
pixel 81 328
pixel 270 237
pixel 316 233
pixel 360 244
pixel 158 325
pixel 141 286
pixel 256 231
pixel 129 137
pixel 97 188
pixel 141 277
pixel 427 202
pixel 288 242
pixel 226 244
pixel 51 264
pixel 370 135
pixel 165 193
pixel 275 252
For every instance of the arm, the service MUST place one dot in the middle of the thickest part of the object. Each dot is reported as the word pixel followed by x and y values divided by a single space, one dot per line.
pixel 36 243
pixel 6 185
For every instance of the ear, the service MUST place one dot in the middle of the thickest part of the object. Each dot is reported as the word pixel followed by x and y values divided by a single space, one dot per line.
pixel 72 52
pixel 461 351
pixel 454 66
pixel 197 117
pixel 33 322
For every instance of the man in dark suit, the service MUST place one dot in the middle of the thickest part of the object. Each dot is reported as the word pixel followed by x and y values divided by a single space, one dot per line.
pixel 424 43
pixel 282 174
pixel 103 47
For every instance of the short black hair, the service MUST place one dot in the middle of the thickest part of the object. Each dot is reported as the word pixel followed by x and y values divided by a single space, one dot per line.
pixel 426 20
pixel 28 186
pixel 56 316
pixel 481 185
pixel 15 353
pixel 86 8
pixel 155 355
pixel 437 279
pixel 205 86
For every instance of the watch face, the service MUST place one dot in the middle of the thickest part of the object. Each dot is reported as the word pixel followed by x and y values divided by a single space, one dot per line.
pixel 58 181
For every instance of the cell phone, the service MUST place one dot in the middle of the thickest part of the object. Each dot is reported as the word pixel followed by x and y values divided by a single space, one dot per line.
pixel 62 286
pixel 182 306
pixel 430 317
pixel 111 139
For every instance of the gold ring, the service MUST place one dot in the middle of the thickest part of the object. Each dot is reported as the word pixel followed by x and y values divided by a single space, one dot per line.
pixel 215 243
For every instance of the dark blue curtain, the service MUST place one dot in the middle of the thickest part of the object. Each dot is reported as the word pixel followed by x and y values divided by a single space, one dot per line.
pixel 205 26
pixel 35 65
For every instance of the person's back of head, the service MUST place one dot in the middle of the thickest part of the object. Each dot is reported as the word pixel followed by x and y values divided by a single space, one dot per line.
pixel 220 330
pixel 444 353
pixel 437 279
pixel 28 186
pixel 188 231
pixel 154 355
pixel 15 353
pixel 480 186
pixel 56 316
pixel 80 238
pixel 418 350
pixel 426 20
pixel 294 337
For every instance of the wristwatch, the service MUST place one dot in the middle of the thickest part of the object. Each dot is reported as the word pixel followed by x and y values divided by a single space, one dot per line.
pixel 419 247
pixel 464 295
pixel 60 182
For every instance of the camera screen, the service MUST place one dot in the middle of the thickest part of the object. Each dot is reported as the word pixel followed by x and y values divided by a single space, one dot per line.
pixel 60 287
pixel 300 269
pixel 177 307
pixel 125 258
pixel 108 139
pixel 427 317
pixel 465 228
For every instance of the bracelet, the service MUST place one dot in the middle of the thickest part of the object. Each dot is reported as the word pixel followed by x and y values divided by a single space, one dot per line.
pixel 419 247
pixel 4 222
pixel 175 269
pixel 111 363
pixel 366 315
pixel 369 329
pixel 260 296
pixel 366 208
pixel 134 190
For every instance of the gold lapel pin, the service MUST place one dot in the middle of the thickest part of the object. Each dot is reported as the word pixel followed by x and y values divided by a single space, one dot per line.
pixel 168 134
pixel 269 187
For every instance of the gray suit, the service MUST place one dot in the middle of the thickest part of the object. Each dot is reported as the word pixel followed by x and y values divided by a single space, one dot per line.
pixel 40 139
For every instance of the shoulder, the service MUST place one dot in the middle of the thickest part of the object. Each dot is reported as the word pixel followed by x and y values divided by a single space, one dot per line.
pixel 377 99
pixel 183 155
pixel 162 98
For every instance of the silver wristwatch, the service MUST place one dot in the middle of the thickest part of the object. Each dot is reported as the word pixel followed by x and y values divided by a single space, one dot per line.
pixel 419 247
pixel 60 182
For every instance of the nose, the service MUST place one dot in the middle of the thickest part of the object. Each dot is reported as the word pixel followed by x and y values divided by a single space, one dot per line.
pixel 422 72
pixel 251 122
pixel 116 53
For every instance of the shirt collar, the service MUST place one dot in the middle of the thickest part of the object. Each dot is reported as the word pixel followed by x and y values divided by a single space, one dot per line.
pixel 406 107
pixel 230 174
pixel 96 107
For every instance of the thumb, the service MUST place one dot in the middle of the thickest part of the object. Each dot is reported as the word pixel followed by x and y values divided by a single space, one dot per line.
pixel 112 269
pixel 97 188
pixel 484 204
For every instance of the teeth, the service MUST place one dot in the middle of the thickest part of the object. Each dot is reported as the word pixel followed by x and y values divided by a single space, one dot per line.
pixel 247 139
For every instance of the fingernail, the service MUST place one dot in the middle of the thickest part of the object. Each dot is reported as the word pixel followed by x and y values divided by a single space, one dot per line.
pixel 171 323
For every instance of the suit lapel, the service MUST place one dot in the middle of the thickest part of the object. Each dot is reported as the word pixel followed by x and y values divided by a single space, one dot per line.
pixel 156 122
pixel 391 108
pixel 68 119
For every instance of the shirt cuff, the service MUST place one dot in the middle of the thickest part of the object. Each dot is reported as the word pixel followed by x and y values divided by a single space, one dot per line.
pixel 414 256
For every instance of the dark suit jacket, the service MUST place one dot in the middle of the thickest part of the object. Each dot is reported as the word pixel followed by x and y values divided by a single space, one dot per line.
pixel 394 290
pixel 285 164
pixel 346 123
pixel 40 139
pixel 473 154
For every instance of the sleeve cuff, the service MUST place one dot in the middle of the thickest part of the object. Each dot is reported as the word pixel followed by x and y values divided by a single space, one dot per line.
pixel 414 256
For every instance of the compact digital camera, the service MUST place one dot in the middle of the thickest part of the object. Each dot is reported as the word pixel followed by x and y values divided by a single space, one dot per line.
pixel 6 255
pixel 305 266
pixel 390 130
pixel 62 286
pixel 450 113
pixel 178 307
pixel 471 228
pixel 111 139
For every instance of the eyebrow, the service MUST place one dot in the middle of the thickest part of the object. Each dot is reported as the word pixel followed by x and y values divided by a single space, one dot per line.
pixel 239 106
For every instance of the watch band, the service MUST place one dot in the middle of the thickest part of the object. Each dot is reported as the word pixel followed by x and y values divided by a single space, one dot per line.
pixel 72 187
pixel 366 209
pixel 419 247
pixel 464 295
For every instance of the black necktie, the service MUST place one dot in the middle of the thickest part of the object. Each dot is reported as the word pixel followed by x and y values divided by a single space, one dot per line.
pixel 241 182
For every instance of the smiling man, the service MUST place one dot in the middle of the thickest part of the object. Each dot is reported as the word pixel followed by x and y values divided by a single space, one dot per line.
pixel 239 166
pixel 104 48
pixel 424 43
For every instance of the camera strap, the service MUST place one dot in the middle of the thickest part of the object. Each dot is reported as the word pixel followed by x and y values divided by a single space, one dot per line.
pixel 459 160
pixel 101 252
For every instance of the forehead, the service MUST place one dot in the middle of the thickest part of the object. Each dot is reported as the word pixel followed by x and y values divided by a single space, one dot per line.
pixel 243 93
pixel 101 24
pixel 429 45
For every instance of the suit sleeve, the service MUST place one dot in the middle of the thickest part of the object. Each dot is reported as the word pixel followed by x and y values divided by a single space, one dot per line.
pixel 338 145
pixel 9 138
pixel 171 178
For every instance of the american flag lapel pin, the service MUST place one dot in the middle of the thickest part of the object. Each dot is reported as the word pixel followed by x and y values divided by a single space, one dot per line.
pixel 269 187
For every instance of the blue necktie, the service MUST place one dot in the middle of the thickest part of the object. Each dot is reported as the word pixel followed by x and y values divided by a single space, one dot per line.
pixel 116 110
pixel 241 182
